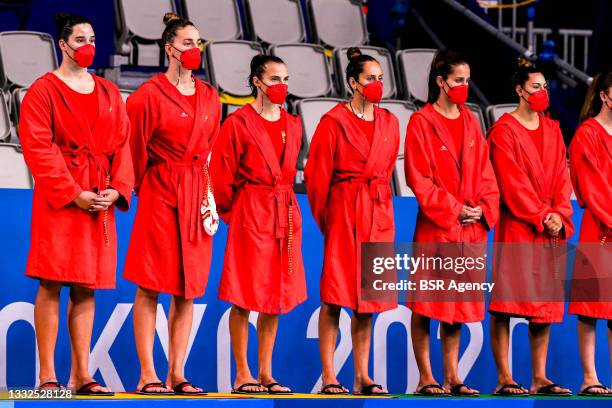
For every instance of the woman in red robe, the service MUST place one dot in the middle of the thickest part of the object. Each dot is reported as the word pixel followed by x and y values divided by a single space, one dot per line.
pixel 447 167
pixel 591 173
pixel 254 165
pixel 175 120
pixel 348 175
pixel 535 212
pixel 74 134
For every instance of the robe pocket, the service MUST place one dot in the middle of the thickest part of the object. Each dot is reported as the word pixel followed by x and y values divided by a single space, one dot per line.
pixel 383 216
pixel 257 212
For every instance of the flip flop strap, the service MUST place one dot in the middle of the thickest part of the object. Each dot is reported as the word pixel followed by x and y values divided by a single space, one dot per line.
pixel 511 386
pixel 456 389
pixel 241 388
pixel 548 389
pixel 370 387
pixel 328 386
pixel 430 386
pixel 50 384
pixel 596 386
pixel 180 387
pixel 145 387
pixel 89 386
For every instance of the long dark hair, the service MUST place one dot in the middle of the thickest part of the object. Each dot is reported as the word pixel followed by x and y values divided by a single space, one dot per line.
pixel 258 67
pixel 64 24
pixel 173 23
pixel 356 61
pixel 592 102
pixel 442 65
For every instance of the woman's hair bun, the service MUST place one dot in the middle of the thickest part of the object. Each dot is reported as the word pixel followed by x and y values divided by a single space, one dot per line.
pixel 524 63
pixel 170 16
pixel 353 52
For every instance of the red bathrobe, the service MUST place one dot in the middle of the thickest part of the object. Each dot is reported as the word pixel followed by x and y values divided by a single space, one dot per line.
pixel 591 173
pixel 263 269
pixel 530 188
pixel 348 185
pixel 169 250
pixel 67 157
pixel 443 183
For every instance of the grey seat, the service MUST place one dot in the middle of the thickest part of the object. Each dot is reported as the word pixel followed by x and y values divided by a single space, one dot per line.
pixel 309 74
pixel 125 93
pixel 14 172
pixel 228 65
pixel 494 112
pixel 476 110
pixel 402 110
pixel 382 55
pixel 414 65
pixel 338 23
pixel 7 131
pixel 25 56
pixel 217 20
pixel 310 111
pixel 17 96
pixel 275 21
pixel 140 27
pixel 399 179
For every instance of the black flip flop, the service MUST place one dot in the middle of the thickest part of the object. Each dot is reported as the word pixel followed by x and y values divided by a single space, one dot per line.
pixel 503 391
pixel 51 384
pixel 369 391
pixel 586 392
pixel 87 390
pixel 144 390
pixel 326 389
pixel 546 391
pixel 422 392
pixel 275 384
pixel 456 391
pixel 179 389
pixel 241 389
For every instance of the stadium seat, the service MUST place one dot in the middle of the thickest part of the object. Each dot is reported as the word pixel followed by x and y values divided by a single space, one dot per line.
pixel 7 131
pixel 413 65
pixel 217 20
pixel 338 23
pixel 275 21
pixel 228 109
pixel 139 28
pixel 228 65
pixel 310 111
pixel 125 93
pixel 494 112
pixel 476 110
pixel 382 55
pixel 309 74
pixel 399 179
pixel 402 110
pixel 14 172
pixel 17 96
pixel 25 56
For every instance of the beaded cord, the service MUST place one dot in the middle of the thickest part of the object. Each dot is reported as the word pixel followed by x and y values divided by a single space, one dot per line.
pixel 105 215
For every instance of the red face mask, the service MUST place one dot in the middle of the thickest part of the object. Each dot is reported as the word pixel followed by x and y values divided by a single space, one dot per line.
pixel 191 58
pixel 372 92
pixel 457 94
pixel 84 55
pixel 538 101
pixel 277 93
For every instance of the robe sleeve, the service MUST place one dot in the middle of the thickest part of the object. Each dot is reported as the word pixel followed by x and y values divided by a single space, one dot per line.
pixel 563 190
pixel 41 153
pixel 142 124
pixel 438 204
pixel 488 191
pixel 590 183
pixel 224 166
pixel 122 170
pixel 516 191
pixel 319 170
